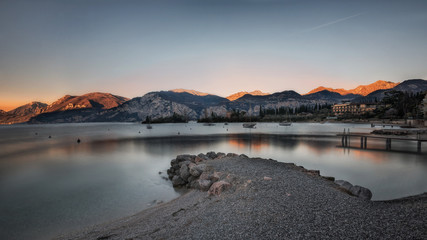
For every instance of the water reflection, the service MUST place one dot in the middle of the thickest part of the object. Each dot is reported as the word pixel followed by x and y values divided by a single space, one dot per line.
pixel 65 185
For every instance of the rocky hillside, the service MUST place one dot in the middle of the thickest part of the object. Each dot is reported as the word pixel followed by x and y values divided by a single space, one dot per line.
pixel 90 100
pixel 155 105
pixel 238 95
pixel 22 113
pixel 97 101
pixel 360 90
pixel 411 86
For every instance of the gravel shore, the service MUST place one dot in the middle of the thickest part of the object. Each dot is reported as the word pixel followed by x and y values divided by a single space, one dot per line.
pixel 293 204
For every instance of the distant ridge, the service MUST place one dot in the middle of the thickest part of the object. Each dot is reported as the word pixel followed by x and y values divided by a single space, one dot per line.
pixel 190 91
pixel 408 86
pixel 89 100
pixel 22 113
pixel 95 100
pixel 363 90
pixel 238 95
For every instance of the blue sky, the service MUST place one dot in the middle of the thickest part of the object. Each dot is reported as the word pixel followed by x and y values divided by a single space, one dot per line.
pixel 128 47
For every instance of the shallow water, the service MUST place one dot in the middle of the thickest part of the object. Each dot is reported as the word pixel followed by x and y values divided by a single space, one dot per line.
pixel 50 186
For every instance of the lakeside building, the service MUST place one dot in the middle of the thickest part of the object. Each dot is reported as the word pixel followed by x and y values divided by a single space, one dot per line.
pixel 353 108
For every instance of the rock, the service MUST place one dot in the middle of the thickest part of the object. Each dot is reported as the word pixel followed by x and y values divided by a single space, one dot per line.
pixel 356 190
pixel 267 178
pixel 361 192
pixel 218 187
pixel 220 155
pixel 329 178
pixel 211 155
pixel 184 172
pixel 197 170
pixel 191 165
pixel 204 185
pixel 243 156
pixel 205 176
pixel 191 179
pixel 185 157
pixel 232 155
pixel 202 156
pixel 199 159
pixel 184 163
pixel 215 176
pixel 313 172
pixel 344 184
pixel 177 181
pixel 176 167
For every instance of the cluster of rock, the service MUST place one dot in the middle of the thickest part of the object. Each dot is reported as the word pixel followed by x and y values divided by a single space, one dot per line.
pixel 191 171
pixel 355 190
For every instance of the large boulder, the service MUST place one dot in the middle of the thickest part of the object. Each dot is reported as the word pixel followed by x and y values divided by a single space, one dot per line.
pixel 220 155
pixel 361 192
pixel 203 156
pixel 185 157
pixel 197 170
pixel 204 185
pixel 184 172
pixel 211 155
pixel 177 181
pixel 344 184
pixel 356 190
pixel 218 187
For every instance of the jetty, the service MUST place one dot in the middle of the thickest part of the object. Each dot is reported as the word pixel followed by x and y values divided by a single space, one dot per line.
pixel 346 139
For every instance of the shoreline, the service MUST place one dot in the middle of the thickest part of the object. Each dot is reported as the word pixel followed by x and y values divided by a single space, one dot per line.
pixel 268 199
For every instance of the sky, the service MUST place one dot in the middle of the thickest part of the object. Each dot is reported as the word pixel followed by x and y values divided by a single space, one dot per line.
pixel 49 48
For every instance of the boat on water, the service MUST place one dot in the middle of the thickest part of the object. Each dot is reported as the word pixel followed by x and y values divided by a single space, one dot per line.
pixel 249 125
pixel 149 126
pixel 285 124
pixel 209 124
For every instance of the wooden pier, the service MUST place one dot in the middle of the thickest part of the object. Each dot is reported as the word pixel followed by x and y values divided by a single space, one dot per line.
pixel 345 140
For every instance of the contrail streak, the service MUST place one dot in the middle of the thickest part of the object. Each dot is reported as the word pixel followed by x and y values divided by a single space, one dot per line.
pixel 331 23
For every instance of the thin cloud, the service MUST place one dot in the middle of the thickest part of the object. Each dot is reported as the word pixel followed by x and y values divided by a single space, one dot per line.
pixel 331 23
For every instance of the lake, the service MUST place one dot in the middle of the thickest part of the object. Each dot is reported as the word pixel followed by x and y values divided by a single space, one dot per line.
pixel 50 184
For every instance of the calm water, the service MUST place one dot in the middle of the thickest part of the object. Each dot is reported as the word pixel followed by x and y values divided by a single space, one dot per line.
pixel 50 186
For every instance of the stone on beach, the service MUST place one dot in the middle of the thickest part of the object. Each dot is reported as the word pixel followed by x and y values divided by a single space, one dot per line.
pixel 218 187
pixel 196 170
pixel 361 192
pixel 204 185
pixel 177 181
pixel 356 190
pixel 184 173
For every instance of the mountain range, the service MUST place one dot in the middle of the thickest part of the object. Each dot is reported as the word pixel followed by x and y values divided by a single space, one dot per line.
pixel 94 101
pixel 105 107
pixel 360 90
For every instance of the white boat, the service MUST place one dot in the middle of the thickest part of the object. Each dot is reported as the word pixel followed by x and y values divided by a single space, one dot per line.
pixel 249 125
pixel 149 126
